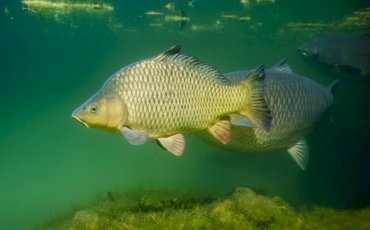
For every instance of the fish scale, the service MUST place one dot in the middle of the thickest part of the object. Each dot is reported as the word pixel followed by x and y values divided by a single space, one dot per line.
pixel 159 103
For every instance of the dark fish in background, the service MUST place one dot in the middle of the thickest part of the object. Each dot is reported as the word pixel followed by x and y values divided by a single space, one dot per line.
pixel 296 104
pixel 349 53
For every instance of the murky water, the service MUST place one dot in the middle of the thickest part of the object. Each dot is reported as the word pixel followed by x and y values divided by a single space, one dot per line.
pixel 51 60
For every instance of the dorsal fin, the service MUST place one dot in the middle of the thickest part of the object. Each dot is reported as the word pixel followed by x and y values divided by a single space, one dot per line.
pixel 168 53
pixel 283 66
pixel 173 55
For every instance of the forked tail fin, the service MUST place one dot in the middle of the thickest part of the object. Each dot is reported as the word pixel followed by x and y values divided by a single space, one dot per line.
pixel 258 112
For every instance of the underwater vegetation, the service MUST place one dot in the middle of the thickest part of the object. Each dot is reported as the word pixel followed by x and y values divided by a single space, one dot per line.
pixel 359 19
pixel 188 15
pixel 242 209
pixel 56 52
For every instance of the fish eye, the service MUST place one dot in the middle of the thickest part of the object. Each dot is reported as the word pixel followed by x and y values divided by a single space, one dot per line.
pixel 305 53
pixel 93 109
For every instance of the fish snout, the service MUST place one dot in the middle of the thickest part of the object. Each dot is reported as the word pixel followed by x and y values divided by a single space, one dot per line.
pixel 76 114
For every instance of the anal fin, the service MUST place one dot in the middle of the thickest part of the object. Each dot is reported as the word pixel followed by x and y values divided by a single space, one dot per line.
pixel 221 131
pixel 299 152
pixel 175 144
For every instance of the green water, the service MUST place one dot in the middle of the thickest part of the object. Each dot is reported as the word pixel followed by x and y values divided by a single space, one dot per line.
pixel 50 62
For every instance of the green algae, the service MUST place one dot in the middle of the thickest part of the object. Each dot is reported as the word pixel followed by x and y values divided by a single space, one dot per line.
pixel 243 209
pixel 325 218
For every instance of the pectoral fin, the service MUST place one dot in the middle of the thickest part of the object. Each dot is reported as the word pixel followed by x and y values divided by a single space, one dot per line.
pixel 238 120
pixel 299 152
pixel 134 137
pixel 221 131
pixel 174 144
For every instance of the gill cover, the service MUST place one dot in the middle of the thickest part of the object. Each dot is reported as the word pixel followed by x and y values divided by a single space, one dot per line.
pixel 102 111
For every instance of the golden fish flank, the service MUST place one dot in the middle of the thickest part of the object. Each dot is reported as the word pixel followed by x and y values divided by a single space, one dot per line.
pixel 162 97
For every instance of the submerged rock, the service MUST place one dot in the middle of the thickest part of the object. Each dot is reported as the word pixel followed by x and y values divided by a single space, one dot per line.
pixel 243 209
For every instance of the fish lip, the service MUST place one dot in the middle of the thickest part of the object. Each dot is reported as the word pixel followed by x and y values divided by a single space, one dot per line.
pixel 80 120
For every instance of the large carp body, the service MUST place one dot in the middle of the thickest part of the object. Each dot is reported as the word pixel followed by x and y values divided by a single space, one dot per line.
pixel 163 97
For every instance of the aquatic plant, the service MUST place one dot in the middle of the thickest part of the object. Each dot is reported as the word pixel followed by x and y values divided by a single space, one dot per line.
pixel 243 209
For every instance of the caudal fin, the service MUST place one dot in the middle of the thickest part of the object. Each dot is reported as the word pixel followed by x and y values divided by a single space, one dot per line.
pixel 258 112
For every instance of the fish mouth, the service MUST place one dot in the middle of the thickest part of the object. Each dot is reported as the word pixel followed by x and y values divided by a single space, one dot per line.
pixel 80 120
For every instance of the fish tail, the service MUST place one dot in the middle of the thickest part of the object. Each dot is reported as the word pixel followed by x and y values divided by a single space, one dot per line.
pixel 257 112
pixel 333 86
